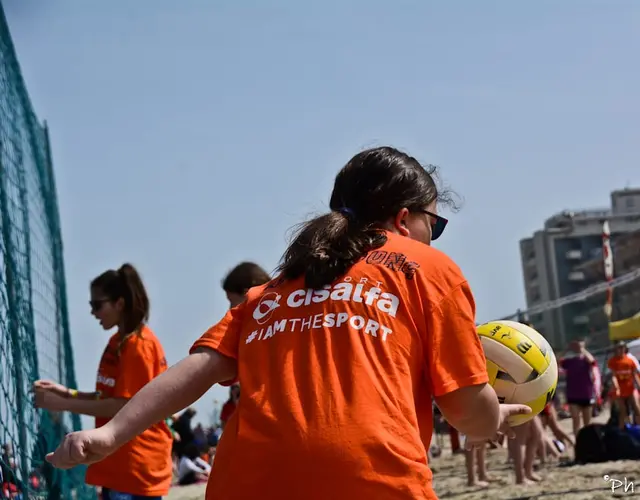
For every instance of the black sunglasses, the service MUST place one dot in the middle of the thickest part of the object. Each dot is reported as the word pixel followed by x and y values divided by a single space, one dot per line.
pixel 438 223
pixel 96 305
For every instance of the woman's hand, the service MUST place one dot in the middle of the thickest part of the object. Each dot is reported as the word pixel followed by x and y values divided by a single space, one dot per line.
pixel 83 448
pixel 51 387
pixel 504 429
pixel 48 400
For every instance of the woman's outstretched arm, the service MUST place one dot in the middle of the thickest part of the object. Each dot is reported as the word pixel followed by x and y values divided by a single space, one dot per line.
pixel 175 389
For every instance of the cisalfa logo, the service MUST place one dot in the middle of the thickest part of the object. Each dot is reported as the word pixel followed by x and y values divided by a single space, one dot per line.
pixel 269 302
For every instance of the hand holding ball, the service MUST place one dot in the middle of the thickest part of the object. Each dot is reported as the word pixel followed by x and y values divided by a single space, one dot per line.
pixel 521 365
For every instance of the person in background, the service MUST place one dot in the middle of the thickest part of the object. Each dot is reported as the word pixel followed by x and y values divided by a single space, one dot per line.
pixel 142 468
pixel 192 468
pixel 229 407
pixel 549 418
pixel 8 472
pixel 596 376
pixel 170 421
pixel 578 365
pixel 241 279
pixel 435 450
pixel 523 450
pixel 476 463
pixel 236 284
pixel 454 438
pixel 184 427
pixel 339 357
pixel 609 398
pixel 625 371
pixel 200 437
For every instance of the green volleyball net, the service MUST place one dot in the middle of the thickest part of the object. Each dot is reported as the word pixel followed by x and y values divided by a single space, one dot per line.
pixel 34 330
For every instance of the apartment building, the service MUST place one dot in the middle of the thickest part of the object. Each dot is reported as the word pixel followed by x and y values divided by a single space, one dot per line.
pixel 553 258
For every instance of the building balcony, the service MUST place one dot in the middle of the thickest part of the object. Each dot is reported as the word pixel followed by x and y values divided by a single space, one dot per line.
pixel 576 276
pixel 574 255
pixel 533 285
pixel 582 319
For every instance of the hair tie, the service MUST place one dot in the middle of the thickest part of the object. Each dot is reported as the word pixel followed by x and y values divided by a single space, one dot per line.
pixel 347 212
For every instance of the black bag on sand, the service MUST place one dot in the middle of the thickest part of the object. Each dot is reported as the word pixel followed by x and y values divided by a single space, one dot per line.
pixel 621 445
pixel 597 443
pixel 590 445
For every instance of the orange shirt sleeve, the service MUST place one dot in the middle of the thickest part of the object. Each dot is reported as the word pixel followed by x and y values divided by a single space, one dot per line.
pixel 453 350
pixel 224 336
pixel 140 362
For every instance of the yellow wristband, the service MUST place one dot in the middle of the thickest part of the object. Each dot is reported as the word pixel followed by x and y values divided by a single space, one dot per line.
pixel 73 393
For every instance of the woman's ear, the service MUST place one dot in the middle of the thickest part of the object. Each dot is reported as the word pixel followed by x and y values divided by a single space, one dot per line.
pixel 119 304
pixel 400 222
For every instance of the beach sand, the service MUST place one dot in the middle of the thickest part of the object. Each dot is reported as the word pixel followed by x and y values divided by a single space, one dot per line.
pixel 567 483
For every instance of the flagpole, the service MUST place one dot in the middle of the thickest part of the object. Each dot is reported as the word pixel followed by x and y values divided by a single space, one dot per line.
pixel 607 256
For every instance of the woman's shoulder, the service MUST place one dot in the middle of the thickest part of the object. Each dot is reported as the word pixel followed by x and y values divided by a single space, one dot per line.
pixel 147 333
pixel 428 258
pixel 430 269
pixel 145 341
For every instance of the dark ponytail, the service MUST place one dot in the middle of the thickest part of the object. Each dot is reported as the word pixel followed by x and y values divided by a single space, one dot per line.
pixel 136 308
pixel 324 248
pixel 126 284
pixel 369 191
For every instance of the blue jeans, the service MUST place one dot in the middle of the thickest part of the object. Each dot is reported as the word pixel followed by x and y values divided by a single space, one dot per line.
pixel 108 494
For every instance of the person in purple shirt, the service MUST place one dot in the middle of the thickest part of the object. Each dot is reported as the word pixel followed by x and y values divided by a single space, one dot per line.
pixel 578 366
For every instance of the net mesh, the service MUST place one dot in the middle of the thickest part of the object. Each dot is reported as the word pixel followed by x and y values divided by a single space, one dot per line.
pixel 34 331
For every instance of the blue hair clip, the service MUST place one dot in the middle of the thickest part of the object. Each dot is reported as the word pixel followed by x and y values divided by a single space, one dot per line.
pixel 347 212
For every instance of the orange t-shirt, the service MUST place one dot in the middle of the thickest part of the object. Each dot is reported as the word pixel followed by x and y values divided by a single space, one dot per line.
pixel 337 383
pixel 227 410
pixel 624 368
pixel 143 465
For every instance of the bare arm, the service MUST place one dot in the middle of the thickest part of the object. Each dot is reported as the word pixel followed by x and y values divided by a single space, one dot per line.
pixel 473 410
pixel 84 395
pixel 95 407
pixel 614 381
pixel 175 389
pixel 589 357
pixel 56 397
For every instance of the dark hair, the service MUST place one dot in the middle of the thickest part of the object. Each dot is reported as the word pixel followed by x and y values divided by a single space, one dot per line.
pixel 244 276
pixel 125 284
pixel 369 190
pixel 233 388
pixel 191 451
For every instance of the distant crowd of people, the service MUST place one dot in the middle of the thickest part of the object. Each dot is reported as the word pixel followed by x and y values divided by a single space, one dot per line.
pixel 194 447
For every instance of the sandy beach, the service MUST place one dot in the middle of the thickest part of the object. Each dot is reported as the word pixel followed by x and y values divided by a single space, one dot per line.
pixel 560 482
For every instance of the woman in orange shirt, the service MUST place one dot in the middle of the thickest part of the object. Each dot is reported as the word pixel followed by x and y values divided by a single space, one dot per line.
pixel 241 279
pixel 142 468
pixel 229 407
pixel 625 372
pixel 339 357
pixel 236 284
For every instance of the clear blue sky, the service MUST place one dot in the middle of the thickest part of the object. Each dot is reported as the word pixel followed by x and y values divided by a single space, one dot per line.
pixel 188 136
